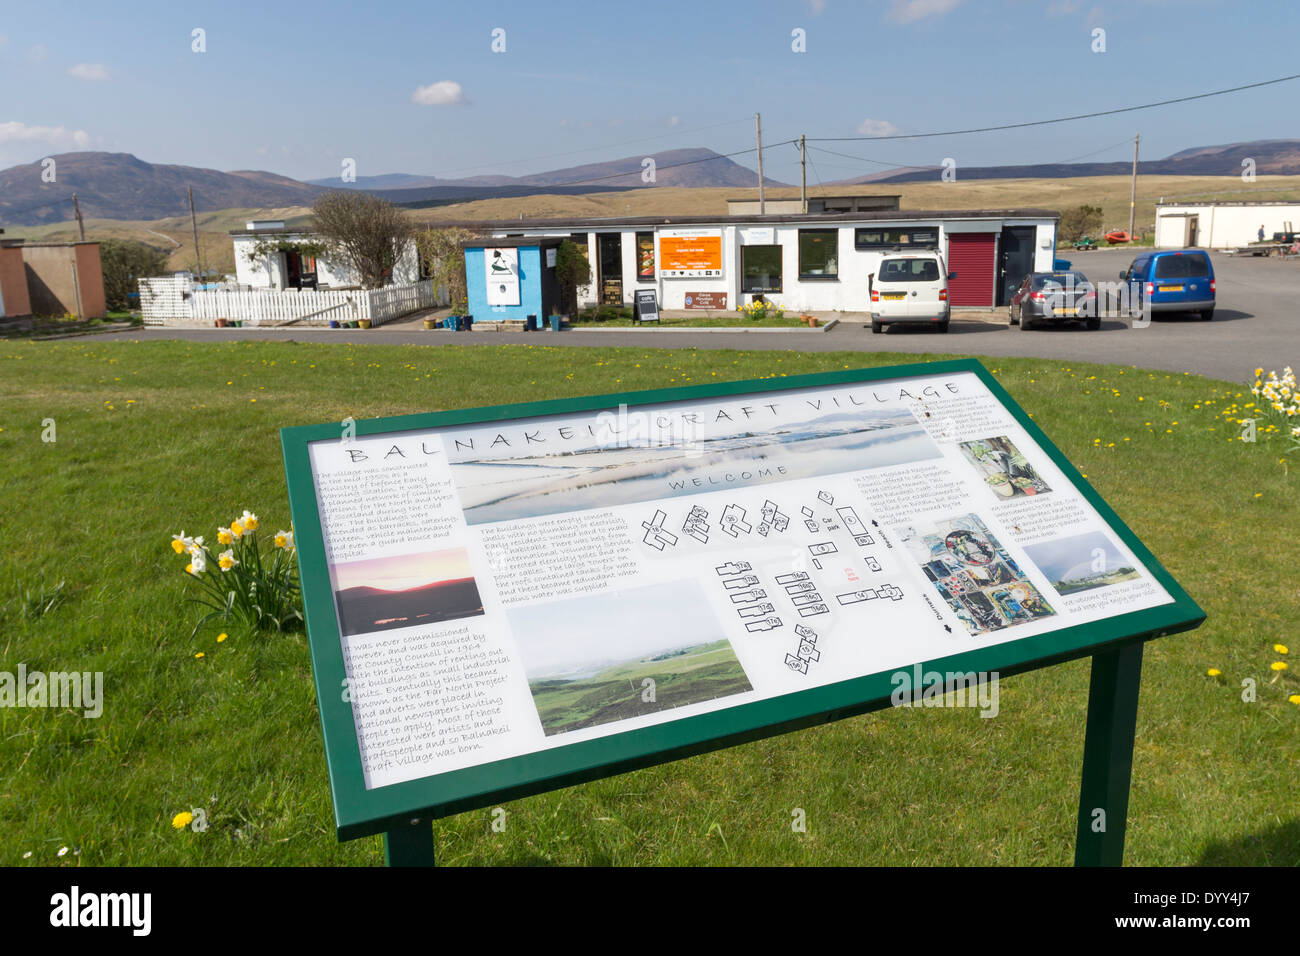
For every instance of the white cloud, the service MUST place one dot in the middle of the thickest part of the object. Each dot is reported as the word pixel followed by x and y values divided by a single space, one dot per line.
pixel 89 71
pixel 816 6
pixel 909 11
pixel 59 137
pixel 442 93
pixel 875 127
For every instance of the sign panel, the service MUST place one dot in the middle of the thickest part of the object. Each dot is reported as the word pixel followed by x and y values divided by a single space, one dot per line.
pixel 535 595
pixel 716 301
pixel 502 274
pixel 550 258
pixel 757 236
pixel 647 309
pixel 685 253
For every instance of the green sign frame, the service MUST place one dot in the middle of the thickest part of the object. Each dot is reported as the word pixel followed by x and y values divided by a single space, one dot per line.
pixel 403 812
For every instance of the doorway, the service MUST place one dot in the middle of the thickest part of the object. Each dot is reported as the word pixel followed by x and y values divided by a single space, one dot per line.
pixel 1189 237
pixel 1016 260
pixel 609 259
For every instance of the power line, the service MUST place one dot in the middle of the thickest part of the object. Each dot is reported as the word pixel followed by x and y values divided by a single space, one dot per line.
pixel 1059 119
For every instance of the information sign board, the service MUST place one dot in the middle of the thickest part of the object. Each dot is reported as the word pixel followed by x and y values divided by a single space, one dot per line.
pixel 530 596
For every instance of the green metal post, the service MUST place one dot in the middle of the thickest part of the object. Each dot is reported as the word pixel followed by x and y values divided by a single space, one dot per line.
pixel 1108 756
pixel 410 844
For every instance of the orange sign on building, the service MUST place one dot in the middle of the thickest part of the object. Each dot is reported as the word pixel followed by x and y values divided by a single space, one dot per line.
pixel 694 255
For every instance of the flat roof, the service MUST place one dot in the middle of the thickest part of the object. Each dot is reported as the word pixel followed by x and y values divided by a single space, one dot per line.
pixel 867 216
pixel 811 198
pixel 1243 202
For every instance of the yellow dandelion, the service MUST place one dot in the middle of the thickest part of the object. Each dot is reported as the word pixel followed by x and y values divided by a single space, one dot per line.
pixel 1294 698
pixel 199 656
pixel 182 820
pixel 1280 649
pixel 221 637
pixel 1277 666
pixel 1214 672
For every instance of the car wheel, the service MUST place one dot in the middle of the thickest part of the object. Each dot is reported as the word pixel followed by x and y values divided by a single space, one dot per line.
pixel 1094 323
pixel 943 326
pixel 1207 315
pixel 875 326
pixel 1024 323
pixel 1011 316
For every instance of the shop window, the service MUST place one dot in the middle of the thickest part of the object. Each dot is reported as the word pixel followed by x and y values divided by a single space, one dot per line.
pixel 760 269
pixel 645 256
pixel 877 238
pixel 818 253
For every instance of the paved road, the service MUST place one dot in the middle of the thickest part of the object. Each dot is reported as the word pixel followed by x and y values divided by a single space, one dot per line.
pixel 1257 322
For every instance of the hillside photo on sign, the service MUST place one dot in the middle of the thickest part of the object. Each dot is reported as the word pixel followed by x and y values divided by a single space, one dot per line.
pixel 540 594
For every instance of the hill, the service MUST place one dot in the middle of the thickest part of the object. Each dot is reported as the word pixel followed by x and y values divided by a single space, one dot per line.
pixel 1271 157
pixel 121 186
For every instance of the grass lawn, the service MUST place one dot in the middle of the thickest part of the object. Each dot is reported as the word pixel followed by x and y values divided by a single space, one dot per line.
pixel 153 438
pixel 621 318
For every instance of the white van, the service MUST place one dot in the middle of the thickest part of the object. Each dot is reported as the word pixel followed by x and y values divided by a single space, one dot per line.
pixel 910 287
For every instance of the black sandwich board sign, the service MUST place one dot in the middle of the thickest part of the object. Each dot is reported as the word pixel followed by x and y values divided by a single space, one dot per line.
pixel 646 308
pixel 532 596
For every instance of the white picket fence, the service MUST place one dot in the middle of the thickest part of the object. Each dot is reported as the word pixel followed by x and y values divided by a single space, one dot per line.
pixel 174 299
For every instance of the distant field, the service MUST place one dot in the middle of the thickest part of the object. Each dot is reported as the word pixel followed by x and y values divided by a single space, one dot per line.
pixel 1110 192
pixel 695 674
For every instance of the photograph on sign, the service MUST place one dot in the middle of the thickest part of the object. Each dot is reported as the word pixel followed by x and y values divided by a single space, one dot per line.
pixel 508 587
pixel 690 254
pixel 502 269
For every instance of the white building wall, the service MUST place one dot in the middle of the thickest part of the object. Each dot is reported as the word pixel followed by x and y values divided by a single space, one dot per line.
pixel 847 292
pixel 1221 226
pixel 268 272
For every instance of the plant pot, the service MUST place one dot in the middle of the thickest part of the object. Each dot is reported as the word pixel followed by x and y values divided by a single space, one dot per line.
pixel 555 323
pixel 221 323
pixel 466 323
pixel 430 323
pixel 352 324
pixel 237 323
pixel 364 323
pixel 334 323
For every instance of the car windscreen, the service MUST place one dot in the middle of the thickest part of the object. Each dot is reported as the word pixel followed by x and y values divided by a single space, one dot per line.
pixel 1059 280
pixel 1182 267
pixel 908 270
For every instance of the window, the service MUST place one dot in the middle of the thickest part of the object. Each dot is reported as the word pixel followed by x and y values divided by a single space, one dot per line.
pixel 908 270
pixel 760 269
pixel 874 238
pixel 1182 267
pixel 645 256
pixel 818 253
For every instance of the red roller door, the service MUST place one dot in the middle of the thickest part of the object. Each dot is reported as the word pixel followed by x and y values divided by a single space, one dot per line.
pixel 971 255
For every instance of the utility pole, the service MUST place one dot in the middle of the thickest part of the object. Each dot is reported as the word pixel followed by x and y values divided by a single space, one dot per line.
pixel 194 224
pixel 81 224
pixel 1133 188
pixel 803 173
pixel 758 133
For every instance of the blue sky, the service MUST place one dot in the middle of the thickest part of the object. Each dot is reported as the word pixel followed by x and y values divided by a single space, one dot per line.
pixel 296 88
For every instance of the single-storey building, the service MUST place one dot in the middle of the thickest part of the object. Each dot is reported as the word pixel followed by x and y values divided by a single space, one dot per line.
pixel 52 278
pixel 14 300
pixel 1222 225
pixel 269 255
pixel 801 261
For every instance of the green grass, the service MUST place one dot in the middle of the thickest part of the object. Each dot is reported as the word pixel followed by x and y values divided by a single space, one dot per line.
pixel 157 437
pixel 620 317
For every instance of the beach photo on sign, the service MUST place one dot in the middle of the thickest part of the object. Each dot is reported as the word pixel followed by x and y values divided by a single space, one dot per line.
pixel 1081 563
pixel 609 657
pixel 974 575
pixel 384 593
pixel 1003 467
pixel 526 481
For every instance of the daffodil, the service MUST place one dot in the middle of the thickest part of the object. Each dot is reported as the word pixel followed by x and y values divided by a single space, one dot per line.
pixel 227 560
pixel 236 529
pixel 181 543
pixel 249 521
pixel 224 536
pixel 198 562
pixel 284 539
pixel 182 820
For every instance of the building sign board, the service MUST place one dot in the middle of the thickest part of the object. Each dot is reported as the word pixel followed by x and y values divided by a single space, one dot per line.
pixel 690 254
pixel 501 267
pixel 534 595
pixel 646 306
pixel 715 301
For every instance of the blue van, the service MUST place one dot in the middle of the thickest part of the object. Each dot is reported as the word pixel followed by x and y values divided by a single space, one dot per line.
pixel 1174 281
